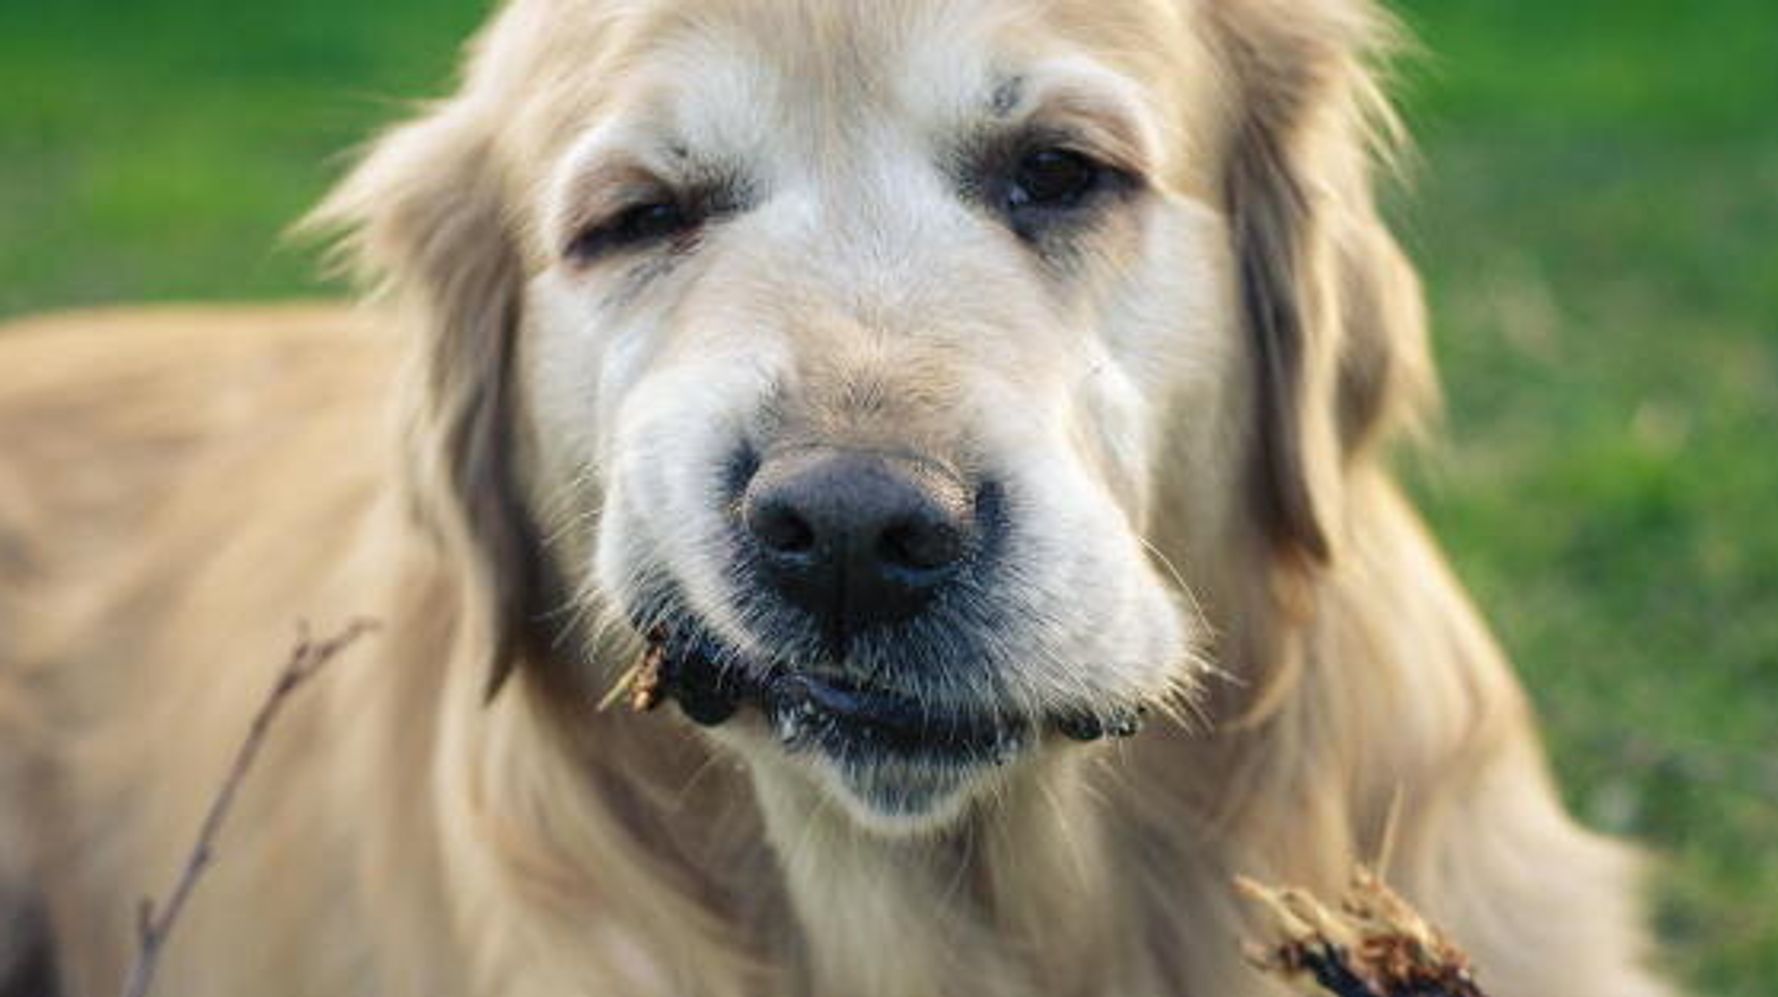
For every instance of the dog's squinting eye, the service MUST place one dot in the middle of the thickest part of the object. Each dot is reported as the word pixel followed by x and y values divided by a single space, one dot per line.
pixel 1052 179
pixel 635 227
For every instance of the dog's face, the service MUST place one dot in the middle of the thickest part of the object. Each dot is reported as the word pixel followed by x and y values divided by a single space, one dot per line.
pixel 850 351
pixel 860 342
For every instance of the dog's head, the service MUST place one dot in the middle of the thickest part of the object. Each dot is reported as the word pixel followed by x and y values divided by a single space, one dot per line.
pixel 867 355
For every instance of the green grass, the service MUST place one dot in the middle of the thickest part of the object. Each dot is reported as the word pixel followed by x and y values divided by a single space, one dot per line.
pixel 156 150
pixel 1596 213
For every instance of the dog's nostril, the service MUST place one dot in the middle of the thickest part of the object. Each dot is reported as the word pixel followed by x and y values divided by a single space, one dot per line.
pixel 781 529
pixel 920 545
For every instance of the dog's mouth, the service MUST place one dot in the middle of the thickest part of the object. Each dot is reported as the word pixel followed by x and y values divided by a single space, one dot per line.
pixel 900 750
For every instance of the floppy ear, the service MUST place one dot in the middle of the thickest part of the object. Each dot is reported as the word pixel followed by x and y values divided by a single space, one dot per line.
pixel 424 223
pixel 1332 308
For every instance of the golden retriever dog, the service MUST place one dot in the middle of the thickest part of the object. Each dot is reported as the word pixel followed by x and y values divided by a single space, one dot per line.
pixel 979 410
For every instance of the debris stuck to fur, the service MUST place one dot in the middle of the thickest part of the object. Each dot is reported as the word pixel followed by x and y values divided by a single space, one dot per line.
pixel 1119 725
pixel 647 688
pixel 644 685
pixel 1372 944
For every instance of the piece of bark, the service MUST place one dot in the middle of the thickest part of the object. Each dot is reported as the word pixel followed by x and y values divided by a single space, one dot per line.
pixel 642 687
pixel 1372 943
pixel 648 686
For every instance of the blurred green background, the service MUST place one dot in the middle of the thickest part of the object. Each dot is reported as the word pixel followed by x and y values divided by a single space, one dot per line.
pixel 1596 210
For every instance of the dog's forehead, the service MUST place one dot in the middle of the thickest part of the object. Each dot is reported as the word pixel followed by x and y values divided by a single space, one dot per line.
pixel 732 75
pixel 857 47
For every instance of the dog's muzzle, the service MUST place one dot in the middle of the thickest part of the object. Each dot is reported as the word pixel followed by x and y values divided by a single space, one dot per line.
pixel 867 581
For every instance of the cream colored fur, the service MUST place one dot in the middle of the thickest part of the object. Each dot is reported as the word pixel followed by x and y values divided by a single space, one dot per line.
pixel 1204 402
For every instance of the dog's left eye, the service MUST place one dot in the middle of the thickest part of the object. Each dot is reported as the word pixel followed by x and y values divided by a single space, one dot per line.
pixel 633 228
pixel 1052 179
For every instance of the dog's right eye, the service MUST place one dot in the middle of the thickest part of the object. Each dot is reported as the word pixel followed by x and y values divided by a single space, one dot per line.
pixel 635 227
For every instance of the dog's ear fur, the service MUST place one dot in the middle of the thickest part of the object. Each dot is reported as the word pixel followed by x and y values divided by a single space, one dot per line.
pixel 423 222
pixel 1332 308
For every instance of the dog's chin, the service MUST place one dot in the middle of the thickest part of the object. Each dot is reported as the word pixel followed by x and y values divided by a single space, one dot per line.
pixel 896 799
pixel 894 775
pixel 893 768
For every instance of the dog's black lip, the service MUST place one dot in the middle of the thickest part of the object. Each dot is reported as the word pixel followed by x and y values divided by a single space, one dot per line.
pixel 805 707
pixel 844 716
pixel 837 709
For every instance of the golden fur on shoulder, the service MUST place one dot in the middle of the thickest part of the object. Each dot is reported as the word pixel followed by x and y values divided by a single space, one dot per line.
pixel 1186 383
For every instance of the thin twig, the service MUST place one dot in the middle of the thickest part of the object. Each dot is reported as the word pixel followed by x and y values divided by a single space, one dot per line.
pixel 154 924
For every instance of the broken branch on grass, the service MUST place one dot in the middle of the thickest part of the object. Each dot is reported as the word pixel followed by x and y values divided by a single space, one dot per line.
pixel 154 923
pixel 1371 944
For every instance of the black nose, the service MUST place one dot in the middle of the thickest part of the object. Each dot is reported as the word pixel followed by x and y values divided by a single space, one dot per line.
pixel 858 539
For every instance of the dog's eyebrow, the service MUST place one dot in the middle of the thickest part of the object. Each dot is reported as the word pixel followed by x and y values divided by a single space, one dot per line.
pixel 1007 94
pixel 598 187
pixel 621 168
pixel 1098 108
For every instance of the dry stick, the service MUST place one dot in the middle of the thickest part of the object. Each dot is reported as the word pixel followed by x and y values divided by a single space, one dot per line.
pixel 152 925
pixel 1370 943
